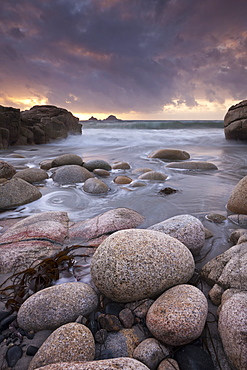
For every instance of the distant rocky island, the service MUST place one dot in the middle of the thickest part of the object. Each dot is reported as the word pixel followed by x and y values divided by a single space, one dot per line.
pixel 110 118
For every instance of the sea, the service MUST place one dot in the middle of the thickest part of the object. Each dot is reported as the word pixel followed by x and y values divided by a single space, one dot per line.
pixel 198 193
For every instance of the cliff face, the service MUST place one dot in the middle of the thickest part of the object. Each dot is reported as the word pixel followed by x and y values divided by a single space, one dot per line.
pixel 39 125
pixel 235 122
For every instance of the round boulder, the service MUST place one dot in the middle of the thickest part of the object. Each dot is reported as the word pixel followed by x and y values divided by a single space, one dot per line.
pixel 6 170
pixel 170 154
pixel 153 175
pixel 122 180
pixel 237 202
pixel 32 175
pixel 232 327
pixel 125 363
pixel 186 228
pixel 134 264
pixel 16 192
pixel 193 165
pixel 67 159
pixel 121 166
pixel 71 174
pixel 178 316
pixel 57 305
pixel 97 164
pixel 95 186
pixel 70 342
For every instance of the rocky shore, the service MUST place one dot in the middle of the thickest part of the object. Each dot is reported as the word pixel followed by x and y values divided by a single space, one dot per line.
pixel 105 293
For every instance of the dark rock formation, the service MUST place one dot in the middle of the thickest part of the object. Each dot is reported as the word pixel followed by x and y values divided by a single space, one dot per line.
pixel 112 118
pixel 39 125
pixel 9 126
pixel 235 122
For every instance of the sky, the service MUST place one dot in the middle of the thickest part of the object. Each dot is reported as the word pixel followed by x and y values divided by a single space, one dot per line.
pixel 136 59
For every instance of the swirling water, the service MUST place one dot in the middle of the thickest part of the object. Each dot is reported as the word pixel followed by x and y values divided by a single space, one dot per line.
pixel 199 192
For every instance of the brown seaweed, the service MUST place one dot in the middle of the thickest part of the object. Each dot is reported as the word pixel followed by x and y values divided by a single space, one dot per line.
pixel 37 277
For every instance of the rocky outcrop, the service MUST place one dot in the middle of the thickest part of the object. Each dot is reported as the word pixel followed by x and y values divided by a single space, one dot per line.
pixel 9 126
pixel 39 125
pixel 235 122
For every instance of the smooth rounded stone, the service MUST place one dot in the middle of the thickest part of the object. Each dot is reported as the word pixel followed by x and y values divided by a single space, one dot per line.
pixel 169 364
pixel 97 164
pixel 122 180
pixel 67 159
pixel 95 186
pixel 121 343
pixel 186 228
pixel 232 327
pixel 32 175
pixel 121 166
pixel 193 165
pixel 141 170
pixel 215 294
pixel 16 192
pixel 236 234
pixel 13 354
pixel 237 203
pixel 6 170
pixel 129 264
pixel 167 191
pixel 46 164
pixel 208 233
pixel 54 306
pixel 192 357
pixel 140 308
pixel 240 220
pixel 109 322
pixel 235 123
pixel 153 175
pixel 178 316
pixel 228 269
pixel 100 172
pixel 70 342
pixel 150 352
pixel 137 184
pixel 21 255
pixel 216 218
pixel 170 154
pixel 125 363
pixel 101 335
pixel 127 318
pixel 71 174
pixel 105 223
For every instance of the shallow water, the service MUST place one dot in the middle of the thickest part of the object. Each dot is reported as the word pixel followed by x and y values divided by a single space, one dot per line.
pixel 199 192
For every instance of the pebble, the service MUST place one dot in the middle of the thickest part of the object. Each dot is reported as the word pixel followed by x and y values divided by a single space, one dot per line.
pixel 126 317
pixel 122 180
pixel 153 175
pixel 150 352
pixel 101 173
pixel 97 164
pixel 13 354
pixel 71 174
pixel 109 322
pixel 67 159
pixel 169 364
pixel 121 166
pixel 95 186
pixel 169 154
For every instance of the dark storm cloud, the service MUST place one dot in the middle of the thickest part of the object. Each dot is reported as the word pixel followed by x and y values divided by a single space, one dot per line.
pixel 112 55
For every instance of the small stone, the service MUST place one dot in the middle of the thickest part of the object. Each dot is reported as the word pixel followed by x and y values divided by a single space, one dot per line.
pixel 216 218
pixel 169 154
pixel 150 352
pixel 153 175
pixel 95 186
pixel 169 364
pixel 122 180
pixel 121 166
pixel 109 322
pixel 126 317
pixel 215 294
pixel 71 174
pixel 13 354
pixel 101 172
pixel 97 164
pixel 31 350
pixel 46 164
pixel 141 170
pixel 32 175
pixel 137 184
pixel 140 308
pixel 101 335
pixel 193 165
pixel 67 159
pixel 6 170
pixel 167 191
